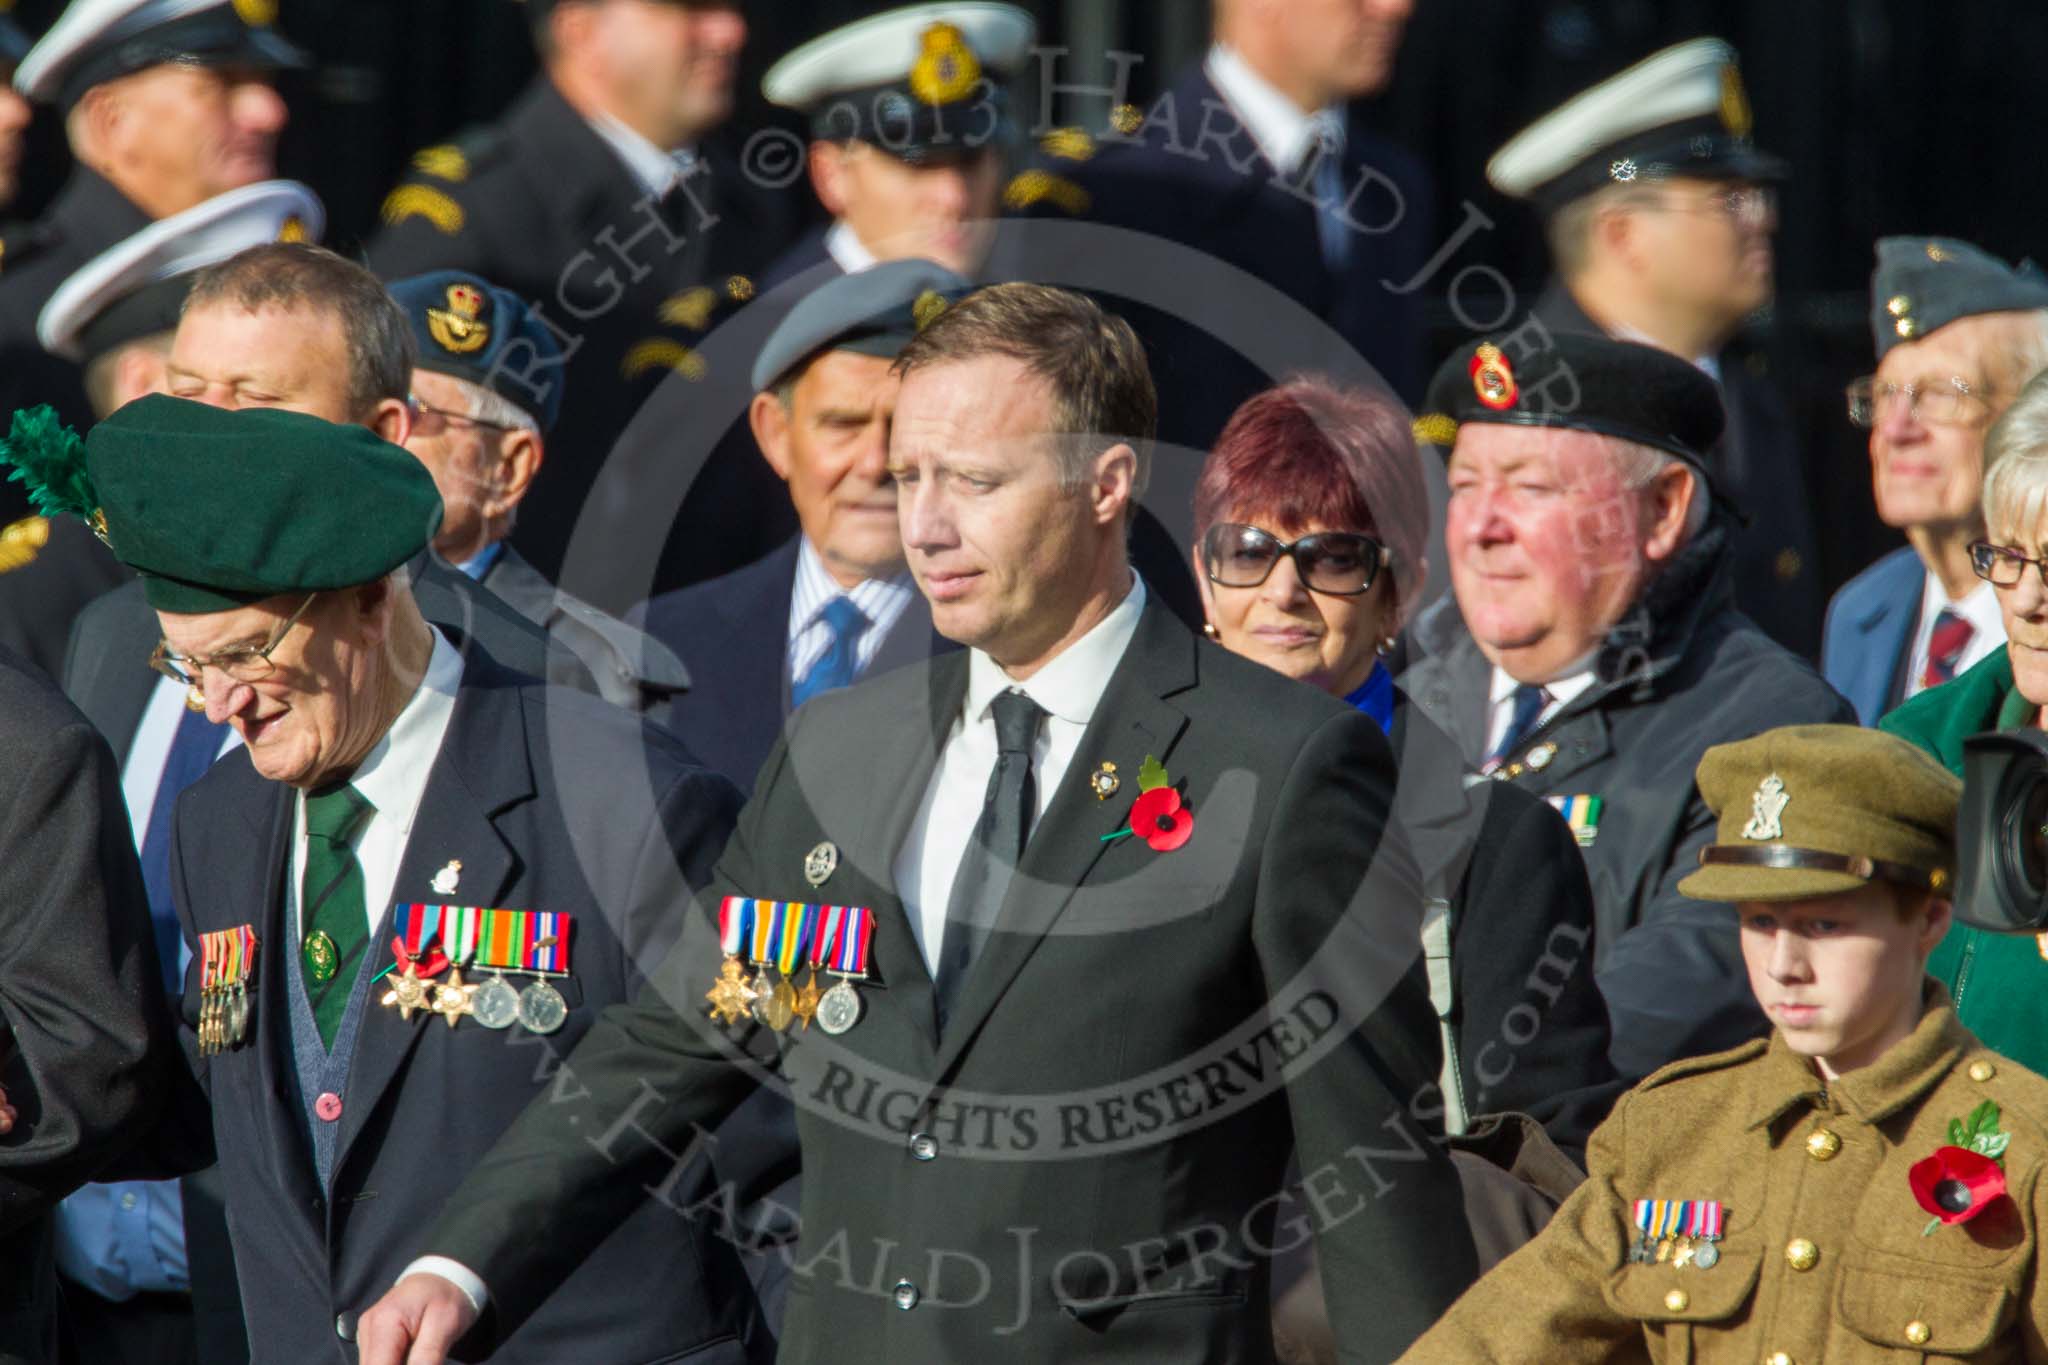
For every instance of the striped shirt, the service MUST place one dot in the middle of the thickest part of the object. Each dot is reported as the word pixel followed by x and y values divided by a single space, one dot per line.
pixel 881 600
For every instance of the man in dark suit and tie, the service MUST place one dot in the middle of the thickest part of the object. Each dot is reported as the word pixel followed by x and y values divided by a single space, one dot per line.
pixel 1958 334
pixel 1099 857
pixel 837 602
pixel 414 850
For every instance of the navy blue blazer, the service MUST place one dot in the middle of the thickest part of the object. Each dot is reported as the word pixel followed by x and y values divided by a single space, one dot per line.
pixel 1196 177
pixel 527 791
pixel 1869 632
pixel 732 633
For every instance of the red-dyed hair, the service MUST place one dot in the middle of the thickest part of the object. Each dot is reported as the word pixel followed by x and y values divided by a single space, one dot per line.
pixel 1313 451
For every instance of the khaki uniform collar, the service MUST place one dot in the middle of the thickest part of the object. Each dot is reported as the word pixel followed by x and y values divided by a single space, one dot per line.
pixel 1921 1061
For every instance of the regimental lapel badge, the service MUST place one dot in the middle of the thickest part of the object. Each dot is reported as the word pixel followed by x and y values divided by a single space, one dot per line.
pixel 1159 816
pixel 1541 756
pixel 1582 813
pixel 821 862
pixel 448 878
pixel 1678 1232
pixel 779 937
pixel 227 964
pixel 1104 781
pixel 1767 810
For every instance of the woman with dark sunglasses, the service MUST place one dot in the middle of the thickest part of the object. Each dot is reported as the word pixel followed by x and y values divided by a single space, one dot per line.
pixel 1310 523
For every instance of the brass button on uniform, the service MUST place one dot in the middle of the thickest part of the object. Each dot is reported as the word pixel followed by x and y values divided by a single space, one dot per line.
pixel 1777 1358
pixel 1982 1071
pixel 1801 1254
pixel 1918 1332
pixel 1677 1300
pixel 1822 1144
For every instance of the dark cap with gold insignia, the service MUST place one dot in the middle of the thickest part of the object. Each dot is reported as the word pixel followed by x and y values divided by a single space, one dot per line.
pixel 1922 283
pixel 924 83
pixel 1812 810
pixel 1579 383
pixel 474 330
pixel 135 288
pixel 95 41
pixel 216 509
pixel 875 311
pixel 1682 112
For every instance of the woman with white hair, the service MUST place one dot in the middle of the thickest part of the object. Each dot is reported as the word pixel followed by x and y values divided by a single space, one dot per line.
pixel 1996 978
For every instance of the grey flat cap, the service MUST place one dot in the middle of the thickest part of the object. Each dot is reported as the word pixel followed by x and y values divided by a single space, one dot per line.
pixel 1922 283
pixel 875 312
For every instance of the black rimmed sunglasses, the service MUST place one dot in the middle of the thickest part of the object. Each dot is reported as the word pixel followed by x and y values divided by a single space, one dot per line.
pixel 1339 563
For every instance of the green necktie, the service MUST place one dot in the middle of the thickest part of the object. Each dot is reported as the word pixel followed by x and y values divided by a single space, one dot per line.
pixel 332 920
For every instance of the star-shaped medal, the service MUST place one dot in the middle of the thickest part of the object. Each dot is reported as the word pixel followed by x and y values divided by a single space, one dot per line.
pixel 730 996
pixel 808 995
pixel 408 992
pixel 454 998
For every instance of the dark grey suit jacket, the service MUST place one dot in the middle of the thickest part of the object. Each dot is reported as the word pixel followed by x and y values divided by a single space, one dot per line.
pixel 86 1050
pixel 1084 1165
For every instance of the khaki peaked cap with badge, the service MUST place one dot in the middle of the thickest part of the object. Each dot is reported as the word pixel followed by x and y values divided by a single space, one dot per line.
pixel 1812 810
pixel 1742 1208
pixel 217 509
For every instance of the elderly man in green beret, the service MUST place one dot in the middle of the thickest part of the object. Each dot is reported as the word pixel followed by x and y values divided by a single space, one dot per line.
pixel 420 874
pixel 1867 1183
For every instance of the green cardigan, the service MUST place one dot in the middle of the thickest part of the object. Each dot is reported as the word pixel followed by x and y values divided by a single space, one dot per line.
pixel 1996 980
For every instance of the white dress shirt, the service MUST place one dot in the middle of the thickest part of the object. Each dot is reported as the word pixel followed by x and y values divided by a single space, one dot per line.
pixel 1069 688
pixel 1979 606
pixel 1285 131
pixel 1563 690
pixel 844 245
pixel 152 749
pixel 393 779
pixel 653 170
pixel 882 600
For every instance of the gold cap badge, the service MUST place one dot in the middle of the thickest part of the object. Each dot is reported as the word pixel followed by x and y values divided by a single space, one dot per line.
pixel 1735 112
pixel 946 69
pixel 460 327
pixel 1493 379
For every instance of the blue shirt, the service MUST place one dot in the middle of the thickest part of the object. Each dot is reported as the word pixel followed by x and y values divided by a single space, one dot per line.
pixel 1375 696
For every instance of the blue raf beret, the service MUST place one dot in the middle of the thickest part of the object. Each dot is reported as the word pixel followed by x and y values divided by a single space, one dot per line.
pixel 471 329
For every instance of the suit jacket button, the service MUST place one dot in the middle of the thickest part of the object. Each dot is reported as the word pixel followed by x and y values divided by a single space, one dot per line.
pixel 924 1146
pixel 344 1327
pixel 906 1295
pixel 328 1106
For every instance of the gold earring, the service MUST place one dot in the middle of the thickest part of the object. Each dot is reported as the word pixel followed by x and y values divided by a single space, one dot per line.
pixel 195 700
pixel 1209 629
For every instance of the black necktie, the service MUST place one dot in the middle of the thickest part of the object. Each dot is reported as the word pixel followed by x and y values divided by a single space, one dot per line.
pixel 994 848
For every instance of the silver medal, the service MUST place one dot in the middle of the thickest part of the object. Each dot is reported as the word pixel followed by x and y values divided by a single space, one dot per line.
pixel 542 1008
pixel 1706 1255
pixel 839 1008
pixel 496 1004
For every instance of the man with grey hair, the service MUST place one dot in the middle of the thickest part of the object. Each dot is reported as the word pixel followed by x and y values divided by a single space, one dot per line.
pixel 480 425
pixel 1958 332
pixel 1591 651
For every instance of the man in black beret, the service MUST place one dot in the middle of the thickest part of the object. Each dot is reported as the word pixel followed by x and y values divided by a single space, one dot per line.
pixel 487 384
pixel 165 103
pixel 1958 334
pixel 1659 209
pixel 1591 650
pixel 412 851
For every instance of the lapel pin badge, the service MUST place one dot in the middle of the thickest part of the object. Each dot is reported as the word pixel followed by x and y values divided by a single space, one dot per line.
pixel 1104 781
pixel 448 878
pixel 821 862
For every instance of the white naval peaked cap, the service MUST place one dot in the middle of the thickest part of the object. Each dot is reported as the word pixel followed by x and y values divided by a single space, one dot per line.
pixel 884 48
pixel 134 288
pixel 97 40
pixel 1682 111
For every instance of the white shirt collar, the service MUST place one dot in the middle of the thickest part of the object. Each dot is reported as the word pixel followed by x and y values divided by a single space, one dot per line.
pixel 1071 685
pixel 1283 130
pixel 655 171
pixel 844 245
pixel 394 775
pixel 1564 688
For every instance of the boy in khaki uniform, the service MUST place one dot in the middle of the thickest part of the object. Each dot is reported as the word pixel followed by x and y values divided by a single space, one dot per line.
pixel 1864 1185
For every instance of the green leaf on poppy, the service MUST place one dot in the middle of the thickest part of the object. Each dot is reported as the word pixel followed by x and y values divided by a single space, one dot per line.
pixel 1984 1118
pixel 1956 1136
pixel 1992 1145
pixel 1151 774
